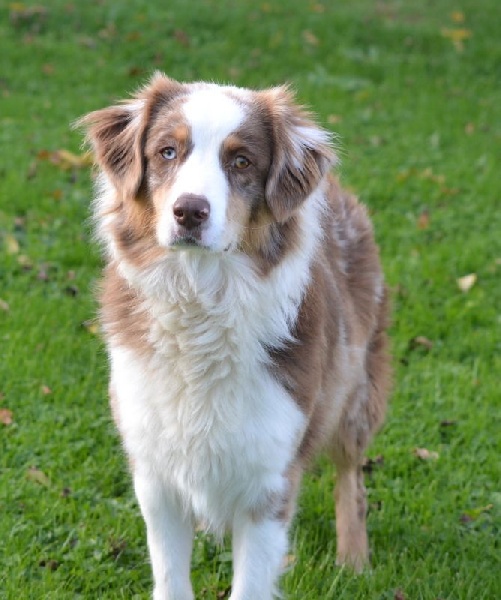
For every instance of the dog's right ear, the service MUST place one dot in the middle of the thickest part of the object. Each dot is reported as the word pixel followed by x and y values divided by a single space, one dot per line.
pixel 116 134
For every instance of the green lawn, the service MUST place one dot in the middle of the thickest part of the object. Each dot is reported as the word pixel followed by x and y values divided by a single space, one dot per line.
pixel 414 91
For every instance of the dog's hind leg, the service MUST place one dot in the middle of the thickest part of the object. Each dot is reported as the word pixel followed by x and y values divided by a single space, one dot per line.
pixel 351 508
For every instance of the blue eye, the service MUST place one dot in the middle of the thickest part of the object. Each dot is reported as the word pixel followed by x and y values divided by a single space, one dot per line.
pixel 168 153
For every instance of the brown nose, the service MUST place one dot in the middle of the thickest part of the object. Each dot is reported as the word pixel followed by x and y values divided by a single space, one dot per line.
pixel 190 210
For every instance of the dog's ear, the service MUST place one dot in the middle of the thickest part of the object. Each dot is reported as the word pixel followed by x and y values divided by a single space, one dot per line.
pixel 115 136
pixel 117 133
pixel 302 153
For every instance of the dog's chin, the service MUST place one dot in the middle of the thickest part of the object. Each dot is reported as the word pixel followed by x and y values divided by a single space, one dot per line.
pixel 189 242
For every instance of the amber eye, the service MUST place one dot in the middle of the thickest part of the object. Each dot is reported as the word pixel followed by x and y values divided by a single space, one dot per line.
pixel 241 162
pixel 169 153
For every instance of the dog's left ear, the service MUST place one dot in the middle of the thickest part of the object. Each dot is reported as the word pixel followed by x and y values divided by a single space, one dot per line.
pixel 302 153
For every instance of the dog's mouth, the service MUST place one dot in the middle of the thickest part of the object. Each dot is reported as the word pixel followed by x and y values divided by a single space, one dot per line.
pixel 190 242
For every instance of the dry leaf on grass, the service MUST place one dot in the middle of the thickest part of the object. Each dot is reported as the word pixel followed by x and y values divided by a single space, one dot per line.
pixel 467 282
pixel 11 244
pixel 66 160
pixel 423 221
pixel 425 454
pixel 370 464
pixel 92 326
pixel 4 305
pixel 457 37
pixel 6 416
pixel 420 341
pixel 38 476
pixel 310 38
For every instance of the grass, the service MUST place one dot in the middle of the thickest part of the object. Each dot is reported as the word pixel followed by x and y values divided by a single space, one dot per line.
pixel 413 89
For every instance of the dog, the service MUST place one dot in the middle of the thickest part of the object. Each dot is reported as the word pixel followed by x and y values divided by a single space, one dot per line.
pixel 245 312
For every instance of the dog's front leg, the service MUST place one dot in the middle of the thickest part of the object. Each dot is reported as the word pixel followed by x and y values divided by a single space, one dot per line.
pixel 170 538
pixel 259 547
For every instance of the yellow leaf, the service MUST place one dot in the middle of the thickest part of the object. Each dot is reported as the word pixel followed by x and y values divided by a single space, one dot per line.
pixel 310 38
pixel 38 476
pixel 457 16
pixel 457 37
pixel 334 119
pixel 11 244
pixel 92 326
pixel 66 160
pixel 467 282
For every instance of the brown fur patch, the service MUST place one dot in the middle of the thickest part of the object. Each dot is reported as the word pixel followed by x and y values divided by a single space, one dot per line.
pixel 124 320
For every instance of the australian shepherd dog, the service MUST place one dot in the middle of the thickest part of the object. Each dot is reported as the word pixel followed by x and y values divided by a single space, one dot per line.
pixel 244 311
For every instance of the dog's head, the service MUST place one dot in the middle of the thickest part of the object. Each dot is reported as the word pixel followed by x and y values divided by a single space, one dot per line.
pixel 207 166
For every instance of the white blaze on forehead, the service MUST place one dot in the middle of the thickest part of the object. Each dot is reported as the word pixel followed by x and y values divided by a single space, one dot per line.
pixel 212 115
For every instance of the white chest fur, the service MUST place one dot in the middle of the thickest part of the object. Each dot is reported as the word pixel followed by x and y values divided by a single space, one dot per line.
pixel 204 413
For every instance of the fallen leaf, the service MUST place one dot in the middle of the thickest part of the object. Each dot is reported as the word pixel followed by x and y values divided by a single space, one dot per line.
pixel 4 305
pixel 457 37
pixel 425 454
pixel 223 594
pixel 423 220
pixel 310 38
pixel 467 282
pixel 370 464
pixel 117 547
pixel 318 8
pixel 447 423
pixel 67 160
pixel 182 38
pixel 334 119
pixel 34 15
pixel 38 476
pixel 135 71
pixel 399 595
pixel 48 69
pixel 92 326
pixel 71 290
pixel 52 565
pixel 32 170
pixel 46 390
pixel 133 36
pixel 5 416
pixel 469 128
pixel 420 341
pixel 457 16
pixel 11 244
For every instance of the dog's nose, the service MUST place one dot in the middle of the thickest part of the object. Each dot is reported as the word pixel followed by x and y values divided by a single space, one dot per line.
pixel 191 210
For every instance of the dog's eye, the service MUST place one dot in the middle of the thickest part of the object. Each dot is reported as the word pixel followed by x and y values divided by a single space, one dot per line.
pixel 169 153
pixel 241 162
